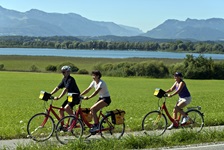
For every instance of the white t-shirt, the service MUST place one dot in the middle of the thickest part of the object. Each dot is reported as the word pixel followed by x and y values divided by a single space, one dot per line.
pixel 104 91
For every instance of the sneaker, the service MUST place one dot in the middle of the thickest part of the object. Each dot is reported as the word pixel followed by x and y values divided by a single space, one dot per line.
pixel 94 128
pixel 63 129
pixel 171 127
pixel 185 120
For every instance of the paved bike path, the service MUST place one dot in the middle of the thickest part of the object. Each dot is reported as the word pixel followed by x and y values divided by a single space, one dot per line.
pixel 12 144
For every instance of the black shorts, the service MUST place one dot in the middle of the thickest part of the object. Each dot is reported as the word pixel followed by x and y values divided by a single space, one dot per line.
pixel 105 99
pixel 71 104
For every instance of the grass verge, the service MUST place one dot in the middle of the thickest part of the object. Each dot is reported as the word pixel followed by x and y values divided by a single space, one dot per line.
pixel 177 139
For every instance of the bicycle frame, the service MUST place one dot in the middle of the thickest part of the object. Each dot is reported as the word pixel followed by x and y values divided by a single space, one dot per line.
pixel 155 122
pixel 51 110
pixel 163 107
pixel 79 114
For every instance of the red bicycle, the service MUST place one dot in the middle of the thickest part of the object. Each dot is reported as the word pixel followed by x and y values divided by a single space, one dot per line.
pixel 41 126
pixel 74 127
pixel 155 122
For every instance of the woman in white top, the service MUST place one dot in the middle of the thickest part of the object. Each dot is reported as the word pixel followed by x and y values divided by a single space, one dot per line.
pixel 104 96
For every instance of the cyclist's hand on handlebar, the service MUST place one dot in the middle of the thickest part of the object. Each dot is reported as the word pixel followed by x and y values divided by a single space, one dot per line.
pixel 169 95
pixel 56 98
pixel 85 97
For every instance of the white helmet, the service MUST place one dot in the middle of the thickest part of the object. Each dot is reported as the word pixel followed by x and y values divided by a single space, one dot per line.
pixel 65 68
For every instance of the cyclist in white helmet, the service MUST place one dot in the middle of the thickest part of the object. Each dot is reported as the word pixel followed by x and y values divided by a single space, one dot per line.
pixel 68 85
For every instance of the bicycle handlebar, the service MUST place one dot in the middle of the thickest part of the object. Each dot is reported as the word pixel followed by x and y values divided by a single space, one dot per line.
pixel 165 95
pixel 47 96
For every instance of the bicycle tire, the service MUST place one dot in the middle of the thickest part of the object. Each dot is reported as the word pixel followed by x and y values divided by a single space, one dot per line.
pixel 68 129
pixel 154 123
pixel 37 131
pixel 196 121
pixel 110 130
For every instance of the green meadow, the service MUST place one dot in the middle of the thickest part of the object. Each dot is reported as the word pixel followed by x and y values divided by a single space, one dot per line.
pixel 20 91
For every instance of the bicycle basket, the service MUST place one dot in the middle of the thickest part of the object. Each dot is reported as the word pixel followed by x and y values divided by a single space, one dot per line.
pixel 73 97
pixel 44 95
pixel 159 93
pixel 86 113
pixel 117 116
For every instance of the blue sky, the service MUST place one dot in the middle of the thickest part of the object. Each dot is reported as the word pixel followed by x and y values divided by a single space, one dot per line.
pixel 143 14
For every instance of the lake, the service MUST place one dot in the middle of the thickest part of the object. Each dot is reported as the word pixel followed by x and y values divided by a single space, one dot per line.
pixel 100 53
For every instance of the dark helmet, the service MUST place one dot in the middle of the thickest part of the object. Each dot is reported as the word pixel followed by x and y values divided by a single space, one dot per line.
pixel 178 74
pixel 97 73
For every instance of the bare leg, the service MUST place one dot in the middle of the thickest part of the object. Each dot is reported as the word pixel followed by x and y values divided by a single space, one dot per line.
pixel 68 110
pixel 95 108
pixel 61 112
pixel 175 115
pixel 179 108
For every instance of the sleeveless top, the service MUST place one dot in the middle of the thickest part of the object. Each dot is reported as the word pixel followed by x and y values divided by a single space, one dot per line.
pixel 184 92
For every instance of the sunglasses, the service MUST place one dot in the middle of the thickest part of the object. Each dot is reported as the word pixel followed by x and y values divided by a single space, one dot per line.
pixel 63 72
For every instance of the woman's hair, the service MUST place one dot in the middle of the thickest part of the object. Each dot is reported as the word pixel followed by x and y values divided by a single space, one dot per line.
pixel 97 73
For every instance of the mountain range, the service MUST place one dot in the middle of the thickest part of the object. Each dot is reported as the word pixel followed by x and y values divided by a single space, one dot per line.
pixel 39 23
pixel 203 30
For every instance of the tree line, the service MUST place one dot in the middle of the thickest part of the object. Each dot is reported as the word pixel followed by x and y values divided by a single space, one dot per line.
pixel 76 43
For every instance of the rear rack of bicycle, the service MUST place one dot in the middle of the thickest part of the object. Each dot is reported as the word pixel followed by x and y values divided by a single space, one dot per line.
pixel 195 107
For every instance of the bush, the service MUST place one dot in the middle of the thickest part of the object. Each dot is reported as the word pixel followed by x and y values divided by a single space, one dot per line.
pixel 73 67
pixel 51 68
pixel 195 67
pixel 83 71
pixel 179 67
pixel 218 70
pixel 1 66
pixel 34 68
pixel 125 69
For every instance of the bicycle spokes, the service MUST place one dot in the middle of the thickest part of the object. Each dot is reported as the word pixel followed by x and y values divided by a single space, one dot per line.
pixel 40 127
pixel 154 123
pixel 196 121
pixel 71 130
pixel 109 129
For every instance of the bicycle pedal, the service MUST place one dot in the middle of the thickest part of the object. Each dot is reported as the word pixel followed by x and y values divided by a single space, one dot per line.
pixel 93 133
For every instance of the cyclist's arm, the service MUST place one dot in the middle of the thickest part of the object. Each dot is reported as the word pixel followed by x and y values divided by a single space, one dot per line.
pixel 64 91
pixel 86 91
pixel 180 87
pixel 94 93
pixel 172 88
pixel 54 90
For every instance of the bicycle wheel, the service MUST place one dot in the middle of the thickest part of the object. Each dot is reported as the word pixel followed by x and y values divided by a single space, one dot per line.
pixel 154 123
pixel 40 127
pixel 196 121
pixel 110 130
pixel 68 129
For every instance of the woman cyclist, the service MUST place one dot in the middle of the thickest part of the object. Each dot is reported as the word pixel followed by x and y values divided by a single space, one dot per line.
pixel 104 97
pixel 180 88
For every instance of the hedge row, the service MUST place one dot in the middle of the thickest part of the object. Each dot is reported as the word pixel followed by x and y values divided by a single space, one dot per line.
pixel 191 67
